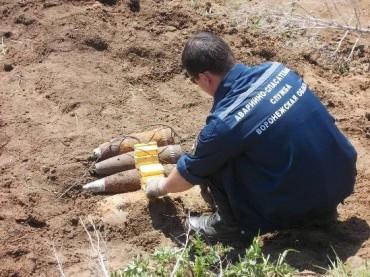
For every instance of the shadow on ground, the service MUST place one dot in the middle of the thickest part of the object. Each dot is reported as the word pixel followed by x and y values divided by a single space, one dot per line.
pixel 167 215
pixel 316 245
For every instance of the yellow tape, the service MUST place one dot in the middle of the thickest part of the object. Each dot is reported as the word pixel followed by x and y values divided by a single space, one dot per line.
pixel 147 161
pixel 143 160
pixel 145 179
pixel 151 169
pixel 149 149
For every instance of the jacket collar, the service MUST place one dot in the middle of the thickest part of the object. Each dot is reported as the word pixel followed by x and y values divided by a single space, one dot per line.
pixel 227 83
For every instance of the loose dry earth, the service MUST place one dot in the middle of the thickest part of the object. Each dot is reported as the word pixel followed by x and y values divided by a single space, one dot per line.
pixel 76 73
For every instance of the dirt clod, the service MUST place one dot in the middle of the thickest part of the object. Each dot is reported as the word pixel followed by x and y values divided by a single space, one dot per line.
pixel 8 67
pixel 97 43
pixel 22 19
pixel 330 104
pixel 33 221
pixel 367 115
pixel 45 169
pixel 17 252
pixel 52 177
pixel 74 221
pixel 134 5
pixel 70 107
pixel 310 58
pixel 6 34
pixel 108 2
pixel 50 3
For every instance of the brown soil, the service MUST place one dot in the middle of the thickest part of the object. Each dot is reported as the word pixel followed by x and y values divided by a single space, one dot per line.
pixel 78 73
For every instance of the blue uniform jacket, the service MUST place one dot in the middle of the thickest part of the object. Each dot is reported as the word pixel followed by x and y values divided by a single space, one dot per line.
pixel 273 148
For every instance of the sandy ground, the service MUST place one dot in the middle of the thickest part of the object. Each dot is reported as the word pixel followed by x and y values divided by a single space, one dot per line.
pixel 77 73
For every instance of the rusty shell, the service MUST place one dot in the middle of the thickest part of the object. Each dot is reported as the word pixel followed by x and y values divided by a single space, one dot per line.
pixel 121 182
pixel 163 136
pixel 167 155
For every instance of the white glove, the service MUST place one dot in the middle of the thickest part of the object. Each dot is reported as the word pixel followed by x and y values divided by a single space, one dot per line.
pixel 154 187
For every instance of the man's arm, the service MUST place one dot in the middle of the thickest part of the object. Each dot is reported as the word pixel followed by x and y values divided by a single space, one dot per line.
pixel 176 183
pixel 216 145
pixel 156 187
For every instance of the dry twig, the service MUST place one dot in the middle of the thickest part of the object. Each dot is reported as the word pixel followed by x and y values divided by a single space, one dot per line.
pixel 349 58
pixel 3 48
pixel 95 244
pixel 60 265
pixel 78 182
pixel 340 42
pixel 297 18
pixel 179 259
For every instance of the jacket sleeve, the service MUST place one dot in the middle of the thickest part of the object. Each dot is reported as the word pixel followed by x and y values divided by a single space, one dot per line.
pixel 216 144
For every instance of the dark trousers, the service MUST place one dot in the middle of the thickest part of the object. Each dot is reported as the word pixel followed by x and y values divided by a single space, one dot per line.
pixel 219 202
pixel 224 218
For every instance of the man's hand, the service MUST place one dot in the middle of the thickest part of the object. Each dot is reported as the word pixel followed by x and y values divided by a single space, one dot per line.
pixel 155 187
pixel 160 186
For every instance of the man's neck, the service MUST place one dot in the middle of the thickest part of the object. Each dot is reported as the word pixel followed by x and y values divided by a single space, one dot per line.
pixel 216 83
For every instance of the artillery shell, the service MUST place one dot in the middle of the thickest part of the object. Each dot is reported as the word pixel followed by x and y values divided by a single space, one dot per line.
pixel 170 154
pixel 167 155
pixel 121 182
pixel 124 144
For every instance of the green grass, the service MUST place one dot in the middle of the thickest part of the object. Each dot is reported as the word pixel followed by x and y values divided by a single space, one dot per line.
pixel 200 259
pixel 338 268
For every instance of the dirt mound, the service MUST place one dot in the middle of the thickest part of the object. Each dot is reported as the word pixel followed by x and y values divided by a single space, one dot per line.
pixel 147 223
pixel 76 73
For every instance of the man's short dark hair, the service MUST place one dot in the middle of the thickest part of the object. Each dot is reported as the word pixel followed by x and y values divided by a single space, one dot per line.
pixel 207 52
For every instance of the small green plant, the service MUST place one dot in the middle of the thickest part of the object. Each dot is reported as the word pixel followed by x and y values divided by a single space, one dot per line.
pixel 138 268
pixel 200 259
pixel 255 263
pixel 255 24
pixel 337 268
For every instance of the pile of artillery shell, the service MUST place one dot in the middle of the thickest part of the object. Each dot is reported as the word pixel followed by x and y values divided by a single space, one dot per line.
pixel 117 160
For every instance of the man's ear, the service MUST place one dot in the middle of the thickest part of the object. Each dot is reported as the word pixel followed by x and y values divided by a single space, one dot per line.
pixel 206 77
pixel 209 82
